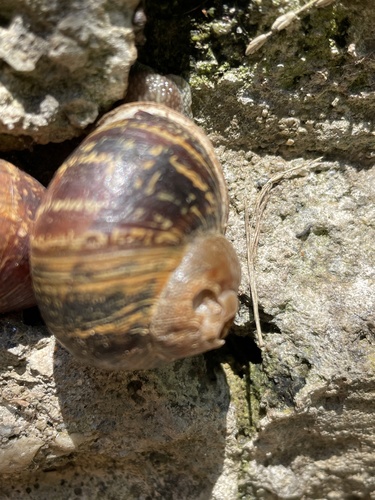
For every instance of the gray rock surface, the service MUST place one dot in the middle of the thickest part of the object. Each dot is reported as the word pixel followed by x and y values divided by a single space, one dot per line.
pixel 61 64
pixel 296 419
pixel 316 284
pixel 70 429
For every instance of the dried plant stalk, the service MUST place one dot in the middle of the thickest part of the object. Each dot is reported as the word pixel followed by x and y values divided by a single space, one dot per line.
pixel 283 22
pixel 252 238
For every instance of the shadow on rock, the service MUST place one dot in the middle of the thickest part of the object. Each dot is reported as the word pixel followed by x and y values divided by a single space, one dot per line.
pixel 162 431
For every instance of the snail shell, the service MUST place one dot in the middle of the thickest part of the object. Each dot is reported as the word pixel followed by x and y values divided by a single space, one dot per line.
pixel 147 85
pixel 129 262
pixel 20 196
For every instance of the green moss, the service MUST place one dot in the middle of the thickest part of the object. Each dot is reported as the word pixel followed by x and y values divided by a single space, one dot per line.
pixel 246 396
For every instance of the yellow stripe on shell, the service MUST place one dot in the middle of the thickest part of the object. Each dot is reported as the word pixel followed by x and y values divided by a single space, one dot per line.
pixel 129 273
pixel 72 242
pixel 74 205
pixel 170 138
pixel 150 188
pixel 193 176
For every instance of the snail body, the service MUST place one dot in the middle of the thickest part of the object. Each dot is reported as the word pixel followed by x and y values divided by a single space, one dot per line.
pixel 20 196
pixel 129 263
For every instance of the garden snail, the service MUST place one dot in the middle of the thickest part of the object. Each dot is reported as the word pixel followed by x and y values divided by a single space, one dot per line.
pixel 129 263
pixel 20 195
pixel 147 85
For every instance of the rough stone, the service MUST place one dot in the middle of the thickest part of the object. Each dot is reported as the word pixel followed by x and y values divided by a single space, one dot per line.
pixel 61 64
pixel 131 434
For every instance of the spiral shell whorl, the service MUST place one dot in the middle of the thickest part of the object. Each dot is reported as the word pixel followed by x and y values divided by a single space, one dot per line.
pixel 136 181
pixel 114 225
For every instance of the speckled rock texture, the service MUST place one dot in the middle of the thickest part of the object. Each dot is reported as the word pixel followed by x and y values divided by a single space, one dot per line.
pixel 77 432
pixel 294 419
pixel 61 64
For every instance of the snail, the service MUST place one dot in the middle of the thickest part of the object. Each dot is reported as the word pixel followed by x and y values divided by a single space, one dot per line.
pixel 20 195
pixel 147 85
pixel 129 263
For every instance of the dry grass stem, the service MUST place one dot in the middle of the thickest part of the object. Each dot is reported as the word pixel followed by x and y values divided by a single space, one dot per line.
pixel 252 237
pixel 283 22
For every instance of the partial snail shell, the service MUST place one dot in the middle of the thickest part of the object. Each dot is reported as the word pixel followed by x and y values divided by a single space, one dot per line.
pixel 20 196
pixel 129 262
pixel 147 85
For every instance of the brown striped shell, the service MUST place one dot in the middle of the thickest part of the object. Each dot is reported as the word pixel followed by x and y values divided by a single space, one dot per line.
pixel 20 196
pixel 129 262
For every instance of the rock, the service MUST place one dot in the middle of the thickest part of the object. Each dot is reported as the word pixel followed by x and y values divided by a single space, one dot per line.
pixel 19 454
pixel 62 65
pixel 111 424
pixel 41 360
